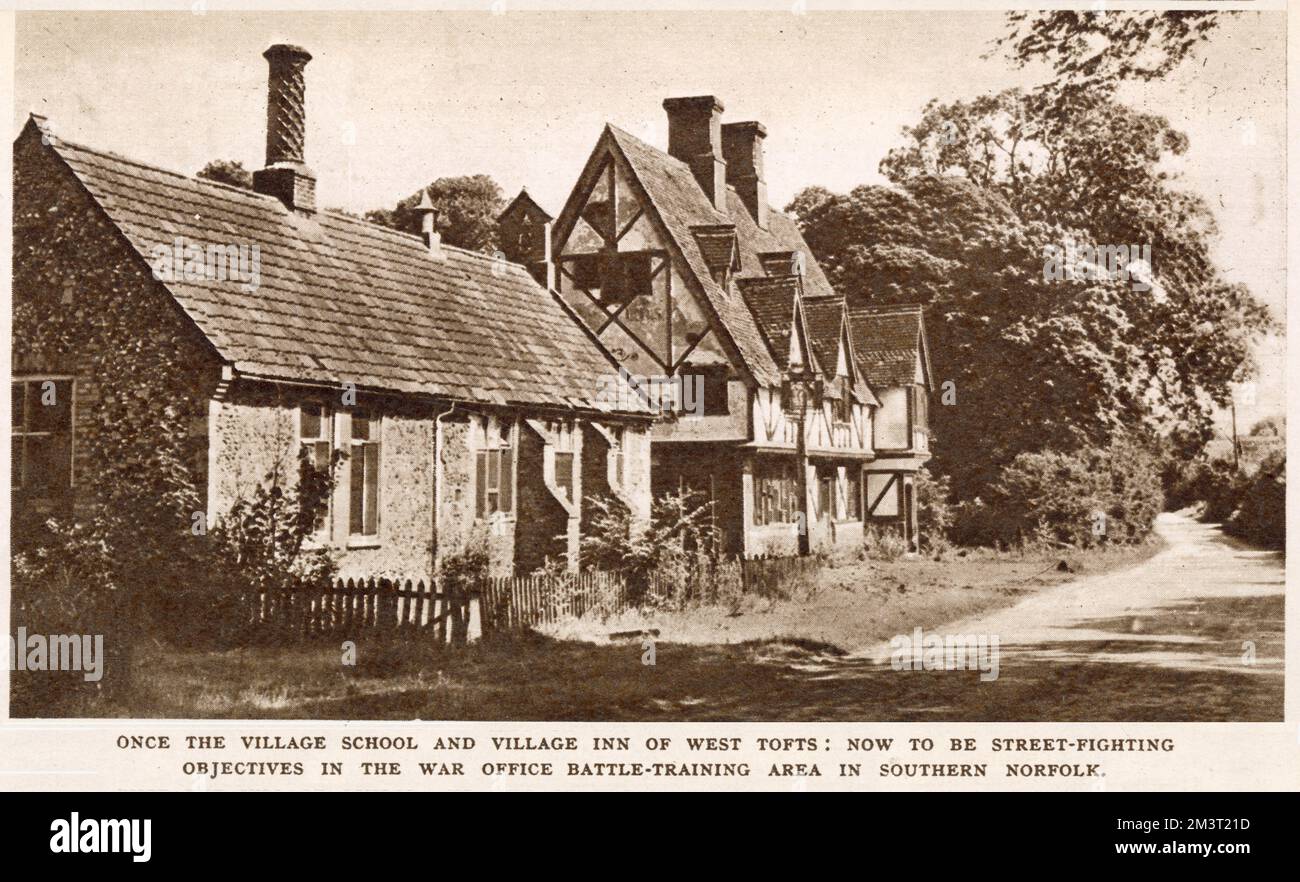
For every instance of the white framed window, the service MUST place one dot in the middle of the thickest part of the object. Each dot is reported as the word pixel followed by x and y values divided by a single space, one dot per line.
pixel 495 470
pixel 617 455
pixel 562 435
pixel 41 445
pixel 363 506
pixel 316 437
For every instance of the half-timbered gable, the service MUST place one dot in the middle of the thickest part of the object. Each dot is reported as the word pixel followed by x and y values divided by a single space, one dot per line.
pixel 677 263
pixel 890 345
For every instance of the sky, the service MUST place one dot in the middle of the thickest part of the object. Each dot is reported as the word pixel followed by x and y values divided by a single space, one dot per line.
pixel 396 100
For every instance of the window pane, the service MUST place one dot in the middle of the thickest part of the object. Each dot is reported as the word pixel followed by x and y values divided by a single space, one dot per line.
pixel 310 417
pixel 372 489
pixel 50 406
pixel 564 473
pixel 494 469
pixel 360 425
pixel 320 455
pixel 48 465
pixel 356 515
pixel 480 507
pixel 507 494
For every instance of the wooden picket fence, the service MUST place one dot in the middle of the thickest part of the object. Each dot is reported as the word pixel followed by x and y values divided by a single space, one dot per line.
pixel 526 601
pixel 348 607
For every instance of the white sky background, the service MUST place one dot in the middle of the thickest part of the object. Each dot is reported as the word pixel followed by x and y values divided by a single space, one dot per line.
pixel 398 99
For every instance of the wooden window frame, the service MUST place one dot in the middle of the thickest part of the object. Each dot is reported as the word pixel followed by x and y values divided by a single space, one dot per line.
pixel 494 473
pixel 371 466
pixel 322 442
pixel 24 432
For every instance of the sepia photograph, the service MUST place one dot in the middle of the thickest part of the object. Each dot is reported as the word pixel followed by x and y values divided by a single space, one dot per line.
pixel 544 365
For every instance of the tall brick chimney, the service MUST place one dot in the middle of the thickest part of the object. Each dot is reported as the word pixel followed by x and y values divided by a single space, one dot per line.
pixel 286 176
pixel 695 137
pixel 742 148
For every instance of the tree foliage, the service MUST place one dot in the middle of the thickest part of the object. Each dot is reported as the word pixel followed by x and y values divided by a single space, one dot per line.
pixel 467 212
pixel 983 192
pixel 228 171
pixel 1092 52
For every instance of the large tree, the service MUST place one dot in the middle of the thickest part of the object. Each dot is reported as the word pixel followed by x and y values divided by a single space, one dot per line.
pixel 467 211
pixel 228 171
pixel 983 191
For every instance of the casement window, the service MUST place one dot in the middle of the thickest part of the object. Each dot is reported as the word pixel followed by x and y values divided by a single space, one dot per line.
pixel 41 451
pixel 316 438
pixel 853 493
pixel 363 517
pixel 316 433
pixel 560 437
pixel 617 458
pixel 776 492
pixel 826 493
pixel 843 408
pixel 495 465
pixel 613 278
pixel 920 418
pixel 704 391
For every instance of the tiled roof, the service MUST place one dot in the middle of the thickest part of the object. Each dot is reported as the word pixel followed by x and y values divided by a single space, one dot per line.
pixel 824 317
pixel 771 303
pixel 525 202
pixel 681 204
pixel 717 243
pixel 340 300
pixel 887 340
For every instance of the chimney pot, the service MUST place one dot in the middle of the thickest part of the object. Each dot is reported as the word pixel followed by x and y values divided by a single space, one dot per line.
pixel 742 148
pixel 695 137
pixel 286 175
pixel 428 225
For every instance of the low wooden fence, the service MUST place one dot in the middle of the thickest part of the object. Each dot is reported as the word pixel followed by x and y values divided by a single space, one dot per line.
pixel 348 607
pixel 525 601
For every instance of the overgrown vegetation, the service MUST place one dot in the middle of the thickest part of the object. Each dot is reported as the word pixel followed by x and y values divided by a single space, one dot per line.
pixel 1249 499
pixel 678 544
pixel 160 573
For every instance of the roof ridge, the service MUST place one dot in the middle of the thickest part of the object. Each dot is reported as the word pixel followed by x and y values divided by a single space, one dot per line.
pixel 886 309
pixel 414 237
pixel 60 141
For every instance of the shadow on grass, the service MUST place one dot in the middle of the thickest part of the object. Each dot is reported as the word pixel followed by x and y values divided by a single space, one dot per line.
pixel 774 681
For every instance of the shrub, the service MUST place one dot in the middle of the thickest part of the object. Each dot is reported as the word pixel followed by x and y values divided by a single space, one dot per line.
pixel 1084 498
pixel 883 544
pixel 934 510
pixel 676 547
pixel 1261 517
pixel 68 583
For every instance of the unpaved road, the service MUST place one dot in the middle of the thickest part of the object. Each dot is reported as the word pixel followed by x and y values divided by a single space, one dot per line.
pixel 1193 633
